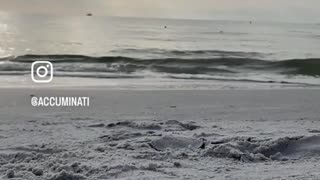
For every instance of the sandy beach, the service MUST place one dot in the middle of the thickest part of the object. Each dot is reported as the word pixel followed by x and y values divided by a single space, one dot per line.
pixel 142 90
pixel 161 134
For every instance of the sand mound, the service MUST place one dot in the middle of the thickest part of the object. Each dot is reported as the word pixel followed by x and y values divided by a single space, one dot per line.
pixel 121 136
pixel 141 126
pixel 172 125
pixel 63 175
pixel 169 142
pixel 279 149
pixel 185 126
pixel 297 147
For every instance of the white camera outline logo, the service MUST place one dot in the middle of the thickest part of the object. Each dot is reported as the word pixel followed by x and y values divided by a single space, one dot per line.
pixel 47 67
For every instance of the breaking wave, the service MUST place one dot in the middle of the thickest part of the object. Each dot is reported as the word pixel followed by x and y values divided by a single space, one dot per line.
pixel 232 68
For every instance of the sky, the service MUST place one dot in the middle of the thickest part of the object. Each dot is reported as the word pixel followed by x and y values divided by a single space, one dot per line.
pixel 285 10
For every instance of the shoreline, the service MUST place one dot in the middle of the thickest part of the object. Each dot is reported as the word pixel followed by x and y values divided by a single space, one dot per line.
pixel 25 82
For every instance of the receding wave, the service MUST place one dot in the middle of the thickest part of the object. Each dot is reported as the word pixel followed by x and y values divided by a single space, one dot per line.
pixel 131 67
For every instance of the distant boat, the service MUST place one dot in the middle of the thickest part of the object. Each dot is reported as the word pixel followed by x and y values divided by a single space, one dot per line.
pixel 89 14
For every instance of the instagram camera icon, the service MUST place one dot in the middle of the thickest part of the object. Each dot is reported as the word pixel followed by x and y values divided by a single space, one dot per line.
pixel 41 72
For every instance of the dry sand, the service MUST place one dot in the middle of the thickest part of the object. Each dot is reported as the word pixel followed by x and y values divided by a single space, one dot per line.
pixel 183 134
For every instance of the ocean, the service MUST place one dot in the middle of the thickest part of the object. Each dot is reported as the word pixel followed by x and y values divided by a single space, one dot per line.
pixel 162 49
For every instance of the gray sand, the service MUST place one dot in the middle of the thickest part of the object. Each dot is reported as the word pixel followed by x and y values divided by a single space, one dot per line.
pixel 184 134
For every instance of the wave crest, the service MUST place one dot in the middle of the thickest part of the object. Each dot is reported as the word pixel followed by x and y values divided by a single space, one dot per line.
pixel 170 67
